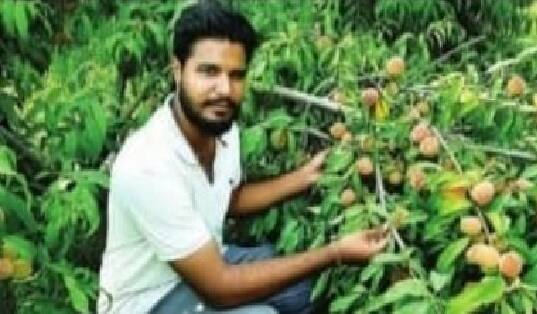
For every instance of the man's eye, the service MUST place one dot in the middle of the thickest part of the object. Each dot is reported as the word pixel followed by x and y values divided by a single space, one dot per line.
pixel 238 75
pixel 209 70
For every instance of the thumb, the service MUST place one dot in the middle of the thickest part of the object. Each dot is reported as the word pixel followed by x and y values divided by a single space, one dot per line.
pixel 319 158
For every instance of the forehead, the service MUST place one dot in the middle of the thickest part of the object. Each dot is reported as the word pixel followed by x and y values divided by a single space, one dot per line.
pixel 218 51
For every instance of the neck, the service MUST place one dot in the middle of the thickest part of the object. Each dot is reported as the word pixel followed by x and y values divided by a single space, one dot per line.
pixel 198 140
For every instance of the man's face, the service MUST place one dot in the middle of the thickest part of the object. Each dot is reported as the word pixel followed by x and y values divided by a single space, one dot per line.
pixel 211 84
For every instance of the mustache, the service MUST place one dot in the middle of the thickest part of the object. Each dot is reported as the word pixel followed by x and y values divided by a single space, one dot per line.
pixel 221 102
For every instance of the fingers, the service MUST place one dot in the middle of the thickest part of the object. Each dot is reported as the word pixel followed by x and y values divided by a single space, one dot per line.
pixel 376 234
pixel 319 158
pixel 379 245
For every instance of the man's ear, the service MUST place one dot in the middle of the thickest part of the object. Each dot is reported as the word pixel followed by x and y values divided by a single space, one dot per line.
pixel 176 70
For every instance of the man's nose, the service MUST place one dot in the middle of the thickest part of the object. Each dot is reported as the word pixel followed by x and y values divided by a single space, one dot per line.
pixel 223 85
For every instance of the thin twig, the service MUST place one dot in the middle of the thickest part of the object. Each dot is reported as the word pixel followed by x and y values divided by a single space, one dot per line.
pixel 382 198
pixel 322 102
pixel 512 61
pixel 448 150
pixel 506 152
pixel 457 49
pixel 371 77
pixel 497 150
pixel 486 229
pixel 519 107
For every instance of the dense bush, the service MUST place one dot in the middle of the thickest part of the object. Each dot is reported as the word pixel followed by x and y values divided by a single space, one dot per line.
pixel 440 144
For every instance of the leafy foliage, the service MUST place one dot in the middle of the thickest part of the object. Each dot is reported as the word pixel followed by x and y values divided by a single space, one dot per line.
pixel 78 76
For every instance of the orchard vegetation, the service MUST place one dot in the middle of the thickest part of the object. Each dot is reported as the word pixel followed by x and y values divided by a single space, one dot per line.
pixel 428 109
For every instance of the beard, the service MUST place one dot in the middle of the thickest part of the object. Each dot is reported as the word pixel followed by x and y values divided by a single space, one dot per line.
pixel 204 125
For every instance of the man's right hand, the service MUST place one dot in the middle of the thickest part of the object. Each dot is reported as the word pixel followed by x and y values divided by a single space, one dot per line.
pixel 360 246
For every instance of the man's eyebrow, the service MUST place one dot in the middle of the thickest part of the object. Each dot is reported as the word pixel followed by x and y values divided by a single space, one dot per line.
pixel 241 72
pixel 207 66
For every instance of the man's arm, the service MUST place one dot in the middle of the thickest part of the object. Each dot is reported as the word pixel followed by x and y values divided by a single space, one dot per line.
pixel 251 198
pixel 222 284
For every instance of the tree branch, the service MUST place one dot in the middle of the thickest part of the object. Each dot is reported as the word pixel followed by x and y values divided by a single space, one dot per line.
pixel 322 102
pixel 448 150
pixel 382 198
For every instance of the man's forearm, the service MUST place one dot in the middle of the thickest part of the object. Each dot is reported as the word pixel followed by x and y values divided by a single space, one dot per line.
pixel 249 282
pixel 251 198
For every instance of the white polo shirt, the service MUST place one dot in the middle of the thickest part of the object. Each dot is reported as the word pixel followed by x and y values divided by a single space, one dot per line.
pixel 161 207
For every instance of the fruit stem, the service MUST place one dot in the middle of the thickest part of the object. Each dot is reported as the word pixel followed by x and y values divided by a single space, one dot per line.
pixel 484 224
pixel 447 149
pixel 382 198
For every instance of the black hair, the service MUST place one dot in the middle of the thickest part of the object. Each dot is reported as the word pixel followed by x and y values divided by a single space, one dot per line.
pixel 209 19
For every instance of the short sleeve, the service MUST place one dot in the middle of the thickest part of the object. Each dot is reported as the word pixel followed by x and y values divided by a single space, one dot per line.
pixel 163 212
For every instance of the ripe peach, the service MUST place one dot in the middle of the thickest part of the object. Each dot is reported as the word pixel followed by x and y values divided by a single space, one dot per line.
pixel 429 146
pixel 416 178
pixel 395 67
pixel 347 197
pixel 365 166
pixel 337 130
pixel 482 193
pixel 511 264
pixel 6 268
pixel 347 137
pixel 483 255
pixel 420 132
pixel 470 225
pixel 370 96
pixel 516 86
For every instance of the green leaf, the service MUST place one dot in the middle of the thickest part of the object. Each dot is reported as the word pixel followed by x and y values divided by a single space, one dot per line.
pixel 338 160
pixel 21 19
pixel 15 205
pixel 440 280
pixel 78 299
pixel 401 290
pixel 530 172
pixel 475 295
pixel 329 180
pixel 451 253
pixel 320 285
pixel 531 276
pixel 417 307
pixel 277 119
pixel 342 304
pixel 7 161
pixel 253 142
pixel 8 16
pixel 506 308
pixel 500 222
pixel 390 258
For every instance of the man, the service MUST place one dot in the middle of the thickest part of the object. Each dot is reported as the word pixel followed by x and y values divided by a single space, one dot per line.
pixel 177 177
